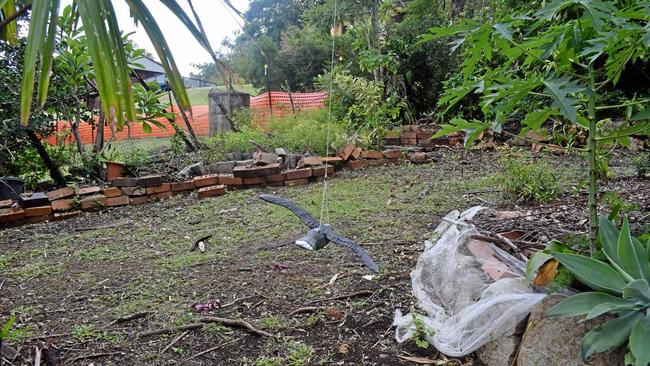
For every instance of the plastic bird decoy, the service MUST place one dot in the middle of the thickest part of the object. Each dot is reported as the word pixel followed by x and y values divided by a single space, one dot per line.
pixel 319 235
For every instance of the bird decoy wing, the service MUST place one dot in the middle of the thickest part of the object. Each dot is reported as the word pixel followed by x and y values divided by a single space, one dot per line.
pixel 303 215
pixel 343 241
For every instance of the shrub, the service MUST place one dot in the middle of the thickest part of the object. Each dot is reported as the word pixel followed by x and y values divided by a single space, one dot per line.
pixel 534 181
pixel 620 288
pixel 642 164
pixel 237 141
pixel 307 132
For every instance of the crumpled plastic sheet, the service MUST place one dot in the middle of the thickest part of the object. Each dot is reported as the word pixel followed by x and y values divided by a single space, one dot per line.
pixel 464 308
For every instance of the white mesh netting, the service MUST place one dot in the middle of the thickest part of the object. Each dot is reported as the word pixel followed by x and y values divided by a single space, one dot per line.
pixel 465 307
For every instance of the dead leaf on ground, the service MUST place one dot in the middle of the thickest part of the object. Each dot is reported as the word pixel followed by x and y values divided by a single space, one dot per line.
pixel 503 215
pixel 344 348
pixel 546 273
pixel 333 314
pixel 418 360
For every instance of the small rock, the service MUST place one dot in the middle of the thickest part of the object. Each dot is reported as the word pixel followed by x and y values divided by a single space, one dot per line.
pixel 556 340
pixel 262 158
pixel 291 161
pixel 234 156
pixel 246 156
pixel 193 170
pixel 280 151
pixel 248 162
pixel 223 167
pixel 418 158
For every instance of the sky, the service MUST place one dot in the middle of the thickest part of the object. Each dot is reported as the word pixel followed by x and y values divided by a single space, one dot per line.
pixel 218 21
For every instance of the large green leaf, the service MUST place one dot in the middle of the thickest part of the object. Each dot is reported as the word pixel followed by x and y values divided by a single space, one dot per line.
pixel 584 302
pixel 608 235
pixel 46 63
pixel 560 90
pixel 639 338
pixel 632 255
pixel 612 333
pixel 8 32
pixel 140 12
pixel 592 272
pixel 643 115
pixel 535 119
pixel 637 290
pixel 608 307
pixel 35 39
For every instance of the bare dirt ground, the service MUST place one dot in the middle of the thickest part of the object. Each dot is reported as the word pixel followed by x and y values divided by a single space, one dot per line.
pixel 74 284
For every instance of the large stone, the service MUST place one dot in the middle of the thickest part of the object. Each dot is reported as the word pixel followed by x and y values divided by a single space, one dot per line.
pixel 556 340
pixel 193 170
pixel 223 167
pixel 501 351
pixel 263 158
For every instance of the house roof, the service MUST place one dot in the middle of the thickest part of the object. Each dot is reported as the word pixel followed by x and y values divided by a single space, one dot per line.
pixel 149 64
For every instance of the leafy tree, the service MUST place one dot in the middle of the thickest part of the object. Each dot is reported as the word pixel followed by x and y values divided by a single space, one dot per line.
pixel 552 63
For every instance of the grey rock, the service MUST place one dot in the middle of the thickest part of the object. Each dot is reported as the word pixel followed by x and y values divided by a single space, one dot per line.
pixel 193 170
pixel 280 151
pixel 556 340
pixel 291 161
pixel 244 162
pixel 234 156
pixel 246 156
pixel 262 158
pixel 223 167
pixel 502 350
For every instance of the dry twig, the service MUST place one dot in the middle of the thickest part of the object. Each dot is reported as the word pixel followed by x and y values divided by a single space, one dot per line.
pixel 340 297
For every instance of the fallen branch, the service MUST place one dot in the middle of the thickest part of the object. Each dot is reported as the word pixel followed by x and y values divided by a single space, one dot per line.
pixel 235 301
pixel 214 348
pixel 174 341
pixel 236 323
pixel 130 317
pixel 50 336
pixel 340 297
pixel 306 309
pixel 110 226
pixel 96 355
pixel 168 330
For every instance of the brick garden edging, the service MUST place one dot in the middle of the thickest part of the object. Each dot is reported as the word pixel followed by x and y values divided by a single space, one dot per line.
pixel 67 202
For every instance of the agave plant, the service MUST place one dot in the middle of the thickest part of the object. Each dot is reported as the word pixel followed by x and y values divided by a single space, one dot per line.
pixel 620 288
pixel 106 49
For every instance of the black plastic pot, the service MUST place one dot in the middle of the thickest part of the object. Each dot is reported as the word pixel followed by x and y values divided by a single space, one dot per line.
pixel 10 188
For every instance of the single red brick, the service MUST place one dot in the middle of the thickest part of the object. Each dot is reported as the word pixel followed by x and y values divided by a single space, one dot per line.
pixel 410 128
pixel 112 192
pixel 333 160
pixel 206 180
pixel 230 180
pixel 424 136
pixel 296 182
pixel 8 203
pixel 124 182
pixel 408 142
pixel 370 154
pixel 249 181
pixel 160 196
pixel 356 153
pixel 38 211
pixel 88 190
pixel 117 201
pixel 150 181
pixel 319 171
pixel 134 191
pixel 298 173
pixel 8 215
pixel 345 152
pixel 409 135
pixel 440 141
pixel 58 216
pixel 357 164
pixel 94 201
pixel 277 184
pixel 276 178
pixel 63 205
pixel 392 154
pixel 165 187
pixel 139 200
pixel 182 186
pixel 375 162
pixel 212 191
pixel 311 161
pixel 57 194
pixel 256 171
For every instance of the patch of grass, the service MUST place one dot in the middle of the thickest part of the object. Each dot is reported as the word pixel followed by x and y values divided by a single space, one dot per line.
pixel 269 361
pixel 274 323
pixel 533 181
pixel 641 164
pixel 299 354
pixel 88 332
pixel 36 269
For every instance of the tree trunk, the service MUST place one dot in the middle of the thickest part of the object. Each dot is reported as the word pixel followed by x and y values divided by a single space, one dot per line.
pixel 190 130
pixel 55 173
pixel 99 138
pixel 593 166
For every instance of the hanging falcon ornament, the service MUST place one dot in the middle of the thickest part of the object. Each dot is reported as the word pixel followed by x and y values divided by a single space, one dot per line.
pixel 319 235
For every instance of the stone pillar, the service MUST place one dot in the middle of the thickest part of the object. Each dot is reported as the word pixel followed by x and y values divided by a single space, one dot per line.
pixel 220 105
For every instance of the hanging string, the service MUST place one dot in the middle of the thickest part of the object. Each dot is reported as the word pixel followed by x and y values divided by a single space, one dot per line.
pixel 324 201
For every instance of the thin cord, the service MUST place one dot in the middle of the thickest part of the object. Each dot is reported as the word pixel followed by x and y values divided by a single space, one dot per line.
pixel 329 119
